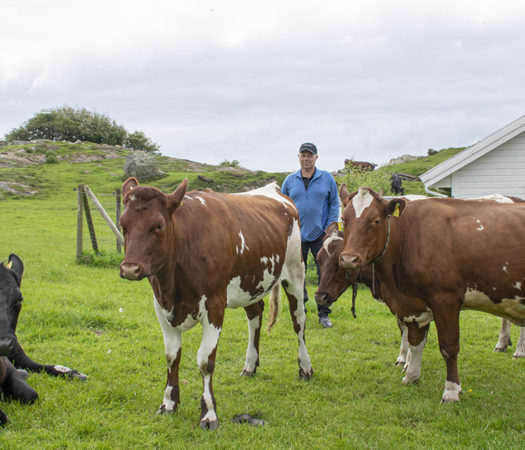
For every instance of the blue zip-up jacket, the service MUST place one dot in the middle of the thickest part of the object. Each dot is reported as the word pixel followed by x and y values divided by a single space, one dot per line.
pixel 318 205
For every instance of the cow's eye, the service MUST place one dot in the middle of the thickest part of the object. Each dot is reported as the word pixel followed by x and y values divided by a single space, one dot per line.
pixel 157 228
pixel 377 221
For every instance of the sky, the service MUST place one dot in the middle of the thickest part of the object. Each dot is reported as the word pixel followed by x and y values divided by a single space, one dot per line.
pixel 250 81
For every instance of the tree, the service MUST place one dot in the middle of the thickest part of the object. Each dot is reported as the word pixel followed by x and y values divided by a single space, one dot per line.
pixel 70 124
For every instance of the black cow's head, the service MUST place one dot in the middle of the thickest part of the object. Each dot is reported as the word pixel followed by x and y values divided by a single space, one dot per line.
pixel 10 302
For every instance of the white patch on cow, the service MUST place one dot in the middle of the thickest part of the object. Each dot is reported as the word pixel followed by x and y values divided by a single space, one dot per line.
pixel 201 200
pixel 251 352
pixel 509 308
pixel 187 197
pixel 272 191
pixel 520 346
pixel 480 227
pixel 413 366
pixel 495 197
pixel 452 391
pixel 362 200
pixel 167 402
pixel 326 244
pixel 235 295
pixel 422 319
pixel 505 267
pixel 210 337
pixel 132 197
pixel 243 244
pixel 517 285
pixel 62 369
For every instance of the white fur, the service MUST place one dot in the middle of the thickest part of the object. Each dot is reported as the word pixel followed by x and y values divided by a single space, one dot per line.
pixel 333 237
pixel 362 200
pixel 509 308
pixel 451 393
pixel 251 352
pixel 413 366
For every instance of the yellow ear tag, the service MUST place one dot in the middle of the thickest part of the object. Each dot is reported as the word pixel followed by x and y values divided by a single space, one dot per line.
pixel 338 226
pixel 396 210
pixel 9 265
pixel 181 203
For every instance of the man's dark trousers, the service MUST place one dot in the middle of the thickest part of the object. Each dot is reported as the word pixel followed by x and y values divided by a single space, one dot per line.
pixel 314 247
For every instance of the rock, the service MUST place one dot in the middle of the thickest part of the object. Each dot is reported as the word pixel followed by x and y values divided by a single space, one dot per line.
pixel 402 159
pixel 205 179
pixel 141 165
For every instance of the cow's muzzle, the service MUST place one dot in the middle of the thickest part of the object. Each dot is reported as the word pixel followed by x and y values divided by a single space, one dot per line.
pixel 323 299
pixel 131 271
pixel 350 261
pixel 7 344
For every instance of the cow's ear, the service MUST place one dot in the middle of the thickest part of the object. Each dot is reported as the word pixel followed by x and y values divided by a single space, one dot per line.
pixel 175 199
pixel 343 193
pixel 16 265
pixel 396 206
pixel 332 228
pixel 130 184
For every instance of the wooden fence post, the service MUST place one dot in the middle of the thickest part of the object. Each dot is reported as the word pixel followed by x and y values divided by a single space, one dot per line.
pixel 80 220
pixel 89 219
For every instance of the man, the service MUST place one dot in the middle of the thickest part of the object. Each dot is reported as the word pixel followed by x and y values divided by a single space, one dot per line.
pixel 314 192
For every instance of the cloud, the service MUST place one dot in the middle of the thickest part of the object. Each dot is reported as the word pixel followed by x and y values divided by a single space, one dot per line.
pixel 250 81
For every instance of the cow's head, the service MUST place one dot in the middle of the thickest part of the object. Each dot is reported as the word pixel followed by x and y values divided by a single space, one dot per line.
pixel 334 279
pixel 10 302
pixel 147 226
pixel 366 219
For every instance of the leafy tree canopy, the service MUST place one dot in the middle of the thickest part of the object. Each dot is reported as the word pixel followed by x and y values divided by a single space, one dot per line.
pixel 70 124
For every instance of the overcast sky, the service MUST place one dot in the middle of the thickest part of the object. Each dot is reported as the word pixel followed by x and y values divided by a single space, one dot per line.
pixel 251 81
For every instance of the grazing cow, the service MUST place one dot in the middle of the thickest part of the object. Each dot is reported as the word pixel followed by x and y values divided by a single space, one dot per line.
pixel 12 381
pixel 205 254
pixel 396 185
pixel 473 260
pixel 364 166
pixel 334 280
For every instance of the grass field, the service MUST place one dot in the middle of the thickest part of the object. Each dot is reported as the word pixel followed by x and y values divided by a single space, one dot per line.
pixel 89 319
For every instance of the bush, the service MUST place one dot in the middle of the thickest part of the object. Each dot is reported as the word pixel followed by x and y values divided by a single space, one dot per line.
pixel 70 124
pixel 51 158
pixel 233 163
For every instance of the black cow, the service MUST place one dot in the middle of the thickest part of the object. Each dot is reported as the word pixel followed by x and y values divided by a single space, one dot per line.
pixel 12 356
pixel 396 185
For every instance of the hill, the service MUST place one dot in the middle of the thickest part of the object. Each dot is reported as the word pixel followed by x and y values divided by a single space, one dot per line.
pixel 42 168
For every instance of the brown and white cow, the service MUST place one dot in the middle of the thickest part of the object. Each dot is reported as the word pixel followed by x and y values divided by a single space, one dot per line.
pixel 203 252
pixel 437 257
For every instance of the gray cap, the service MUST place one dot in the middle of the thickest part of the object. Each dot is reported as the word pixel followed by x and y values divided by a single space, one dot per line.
pixel 308 147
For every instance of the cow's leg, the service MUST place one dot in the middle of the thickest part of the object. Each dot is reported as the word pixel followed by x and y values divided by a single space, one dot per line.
pixel 417 338
pixel 294 292
pixel 254 315
pixel 403 348
pixel 504 337
pixel 446 317
pixel 15 386
pixel 211 330
pixel 520 348
pixel 172 345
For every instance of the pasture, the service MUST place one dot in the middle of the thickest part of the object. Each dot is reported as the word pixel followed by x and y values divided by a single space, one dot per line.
pixel 88 319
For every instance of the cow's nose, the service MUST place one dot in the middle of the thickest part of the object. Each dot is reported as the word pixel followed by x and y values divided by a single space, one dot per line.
pixel 349 261
pixel 130 271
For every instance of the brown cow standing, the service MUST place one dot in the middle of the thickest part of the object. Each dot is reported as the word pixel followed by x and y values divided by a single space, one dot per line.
pixel 437 257
pixel 204 254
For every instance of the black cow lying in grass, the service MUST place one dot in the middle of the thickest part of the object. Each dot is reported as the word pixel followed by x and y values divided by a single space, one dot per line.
pixel 12 381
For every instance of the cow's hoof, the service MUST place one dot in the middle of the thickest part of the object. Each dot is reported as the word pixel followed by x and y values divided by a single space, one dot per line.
pixel 410 380
pixel 246 373
pixel 164 410
pixel 305 375
pixel 518 355
pixel 79 375
pixel 400 362
pixel 23 373
pixel 500 349
pixel 209 425
pixel 449 400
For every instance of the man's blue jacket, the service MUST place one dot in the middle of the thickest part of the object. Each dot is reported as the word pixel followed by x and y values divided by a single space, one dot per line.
pixel 318 205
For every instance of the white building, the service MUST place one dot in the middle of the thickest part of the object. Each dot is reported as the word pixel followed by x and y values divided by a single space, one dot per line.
pixel 495 164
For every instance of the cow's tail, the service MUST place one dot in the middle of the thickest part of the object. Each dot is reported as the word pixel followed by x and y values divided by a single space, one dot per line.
pixel 275 300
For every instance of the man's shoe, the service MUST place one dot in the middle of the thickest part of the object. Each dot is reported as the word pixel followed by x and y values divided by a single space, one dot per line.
pixel 325 322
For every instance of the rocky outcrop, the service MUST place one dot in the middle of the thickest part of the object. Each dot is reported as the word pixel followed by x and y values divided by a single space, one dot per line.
pixel 141 165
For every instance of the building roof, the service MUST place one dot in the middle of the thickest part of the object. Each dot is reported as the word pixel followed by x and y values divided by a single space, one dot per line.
pixel 465 157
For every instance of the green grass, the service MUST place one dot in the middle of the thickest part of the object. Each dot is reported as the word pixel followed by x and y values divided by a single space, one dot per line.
pixel 72 316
